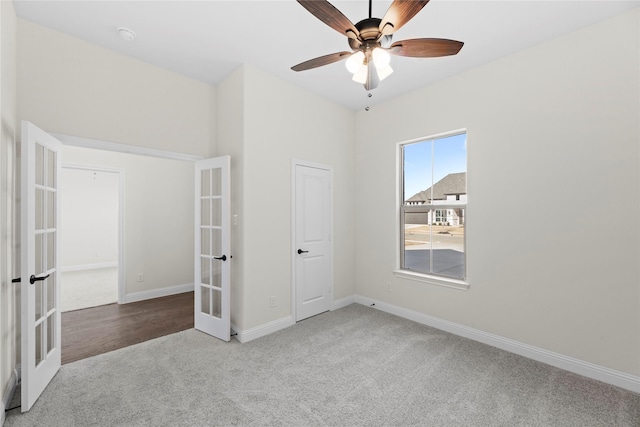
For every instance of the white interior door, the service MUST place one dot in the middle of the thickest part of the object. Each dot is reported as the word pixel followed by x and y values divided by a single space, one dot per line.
pixel 212 247
pixel 313 251
pixel 40 290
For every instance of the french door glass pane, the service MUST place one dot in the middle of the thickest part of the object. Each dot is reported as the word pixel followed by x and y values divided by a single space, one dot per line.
pixel 51 169
pixel 51 250
pixel 51 332
pixel 216 303
pixel 216 273
pixel 205 212
pixel 39 165
pixel 39 210
pixel 38 346
pixel 216 242
pixel 205 270
pixel 216 212
pixel 39 290
pixel 51 209
pixel 206 300
pixel 216 182
pixel 51 291
pixel 206 183
pixel 205 241
pixel 39 249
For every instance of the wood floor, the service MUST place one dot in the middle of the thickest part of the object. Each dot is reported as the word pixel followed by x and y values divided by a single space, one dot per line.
pixel 98 330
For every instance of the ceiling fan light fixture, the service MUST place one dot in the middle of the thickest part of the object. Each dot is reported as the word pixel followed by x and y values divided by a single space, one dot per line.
pixel 354 62
pixel 384 72
pixel 381 58
pixel 360 76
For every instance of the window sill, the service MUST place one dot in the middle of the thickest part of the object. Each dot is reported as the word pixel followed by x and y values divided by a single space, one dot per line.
pixel 433 280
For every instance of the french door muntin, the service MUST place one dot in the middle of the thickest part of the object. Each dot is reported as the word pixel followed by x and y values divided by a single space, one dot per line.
pixel 40 290
pixel 212 247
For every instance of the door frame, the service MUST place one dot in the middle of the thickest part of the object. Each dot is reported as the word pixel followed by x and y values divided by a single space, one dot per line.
pixel 294 284
pixel 116 147
pixel 121 215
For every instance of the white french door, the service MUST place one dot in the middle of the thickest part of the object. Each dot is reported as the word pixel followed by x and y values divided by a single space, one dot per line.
pixel 40 284
pixel 212 247
pixel 312 237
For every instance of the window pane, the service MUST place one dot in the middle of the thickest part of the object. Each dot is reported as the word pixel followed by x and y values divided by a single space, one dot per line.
pixel 448 245
pixel 432 247
pixel 417 172
pixel 434 176
pixel 450 167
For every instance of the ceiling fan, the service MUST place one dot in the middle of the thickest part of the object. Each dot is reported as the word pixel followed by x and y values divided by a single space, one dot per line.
pixel 370 40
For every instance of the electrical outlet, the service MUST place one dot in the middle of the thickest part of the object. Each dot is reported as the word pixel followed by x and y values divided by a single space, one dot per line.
pixel 388 287
pixel 272 301
pixel 140 277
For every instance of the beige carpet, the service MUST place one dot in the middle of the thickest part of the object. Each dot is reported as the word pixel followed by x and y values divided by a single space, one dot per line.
pixel 351 367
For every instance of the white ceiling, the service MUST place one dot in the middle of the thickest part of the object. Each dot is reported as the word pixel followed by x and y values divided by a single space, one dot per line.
pixel 207 40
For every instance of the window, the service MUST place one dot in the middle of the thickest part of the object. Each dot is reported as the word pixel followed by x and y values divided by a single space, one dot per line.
pixel 433 206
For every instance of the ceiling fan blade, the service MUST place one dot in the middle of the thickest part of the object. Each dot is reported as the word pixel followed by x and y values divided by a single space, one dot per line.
pixel 425 48
pixel 399 13
pixel 320 61
pixel 327 13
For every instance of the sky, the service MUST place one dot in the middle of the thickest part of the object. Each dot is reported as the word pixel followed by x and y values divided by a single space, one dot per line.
pixel 439 157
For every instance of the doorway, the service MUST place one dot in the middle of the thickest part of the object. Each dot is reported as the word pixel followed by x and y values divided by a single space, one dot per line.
pixel 312 239
pixel 91 236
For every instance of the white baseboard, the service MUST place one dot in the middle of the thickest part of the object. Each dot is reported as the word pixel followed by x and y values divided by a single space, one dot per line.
pixel 156 293
pixel 84 267
pixel 8 393
pixel 577 366
pixel 343 302
pixel 262 330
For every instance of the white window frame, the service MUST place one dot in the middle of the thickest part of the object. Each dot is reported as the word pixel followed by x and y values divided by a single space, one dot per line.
pixel 401 209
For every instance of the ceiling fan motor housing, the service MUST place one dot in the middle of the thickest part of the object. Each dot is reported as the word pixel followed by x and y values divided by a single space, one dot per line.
pixel 369 35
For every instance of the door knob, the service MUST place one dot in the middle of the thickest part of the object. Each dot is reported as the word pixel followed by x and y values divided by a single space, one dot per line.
pixel 222 258
pixel 33 279
pixel 300 251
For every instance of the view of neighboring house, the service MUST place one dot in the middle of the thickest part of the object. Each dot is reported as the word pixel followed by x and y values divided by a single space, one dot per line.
pixel 451 189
